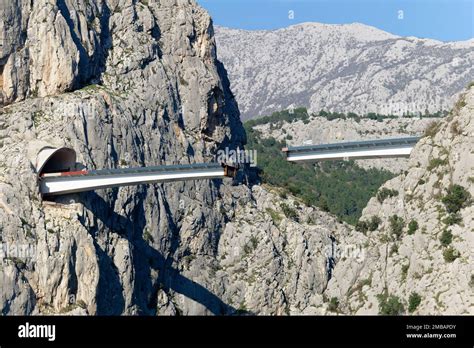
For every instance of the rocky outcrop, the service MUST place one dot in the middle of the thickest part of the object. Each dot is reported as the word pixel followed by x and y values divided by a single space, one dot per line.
pixel 427 248
pixel 145 89
pixel 128 83
pixel 345 68
pixel 275 256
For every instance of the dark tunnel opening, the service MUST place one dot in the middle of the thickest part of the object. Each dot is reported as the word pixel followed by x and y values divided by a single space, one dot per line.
pixel 56 160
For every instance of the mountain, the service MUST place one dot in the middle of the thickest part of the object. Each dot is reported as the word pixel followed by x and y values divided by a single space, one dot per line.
pixel 344 68
pixel 128 83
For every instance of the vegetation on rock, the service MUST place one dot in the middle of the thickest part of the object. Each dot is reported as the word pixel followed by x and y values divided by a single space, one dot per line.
pixel 413 302
pixel 341 188
pixel 390 304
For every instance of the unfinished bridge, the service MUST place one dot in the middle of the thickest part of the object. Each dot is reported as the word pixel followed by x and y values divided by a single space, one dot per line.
pixel 380 148
pixel 57 173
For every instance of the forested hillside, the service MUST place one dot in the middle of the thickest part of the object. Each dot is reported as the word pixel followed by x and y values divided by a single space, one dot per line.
pixel 339 187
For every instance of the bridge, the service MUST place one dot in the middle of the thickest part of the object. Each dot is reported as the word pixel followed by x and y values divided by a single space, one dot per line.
pixel 57 176
pixel 381 148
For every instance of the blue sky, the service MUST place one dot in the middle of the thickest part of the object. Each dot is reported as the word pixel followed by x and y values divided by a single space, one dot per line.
pixel 446 20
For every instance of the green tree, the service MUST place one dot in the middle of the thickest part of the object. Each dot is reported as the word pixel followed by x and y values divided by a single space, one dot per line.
pixel 412 226
pixel 289 212
pixel 396 225
pixel 450 254
pixel 374 223
pixel 361 226
pixel 390 304
pixel 456 198
pixel 333 304
pixel 446 237
pixel 385 193
pixel 413 302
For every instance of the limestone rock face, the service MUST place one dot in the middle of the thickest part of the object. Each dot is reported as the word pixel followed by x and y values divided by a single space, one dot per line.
pixel 417 260
pixel 145 88
pixel 130 83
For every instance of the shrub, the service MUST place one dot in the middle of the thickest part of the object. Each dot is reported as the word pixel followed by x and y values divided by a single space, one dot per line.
pixel 385 193
pixel 405 271
pixel 446 237
pixel 254 242
pixel 436 162
pixel 323 204
pixel 396 225
pixel 374 223
pixel 412 226
pixel 361 226
pixel 333 304
pixel 455 129
pixel 456 198
pixel 460 104
pixel 453 219
pixel 394 249
pixel 289 212
pixel 413 302
pixel 249 248
pixel 276 218
pixel 432 129
pixel 390 304
pixel 450 254
pixel 147 236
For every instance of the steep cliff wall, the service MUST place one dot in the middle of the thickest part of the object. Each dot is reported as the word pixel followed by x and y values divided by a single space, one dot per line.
pixel 425 241
pixel 135 83
pixel 146 89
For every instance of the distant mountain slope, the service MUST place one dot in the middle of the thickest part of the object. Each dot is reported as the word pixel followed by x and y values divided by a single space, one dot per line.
pixel 344 68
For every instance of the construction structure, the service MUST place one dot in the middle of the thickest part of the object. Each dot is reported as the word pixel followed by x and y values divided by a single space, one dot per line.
pixel 57 174
pixel 380 148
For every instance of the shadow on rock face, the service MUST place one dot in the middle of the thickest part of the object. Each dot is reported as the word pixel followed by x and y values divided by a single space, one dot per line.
pixel 110 299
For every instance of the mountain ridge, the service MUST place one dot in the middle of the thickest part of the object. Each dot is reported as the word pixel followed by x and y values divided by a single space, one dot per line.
pixel 330 67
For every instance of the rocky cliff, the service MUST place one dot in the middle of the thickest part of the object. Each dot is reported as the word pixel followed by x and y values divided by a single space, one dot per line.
pixel 424 242
pixel 345 68
pixel 137 83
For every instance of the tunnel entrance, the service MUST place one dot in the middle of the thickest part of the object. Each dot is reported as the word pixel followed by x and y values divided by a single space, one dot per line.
pixel 54 160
